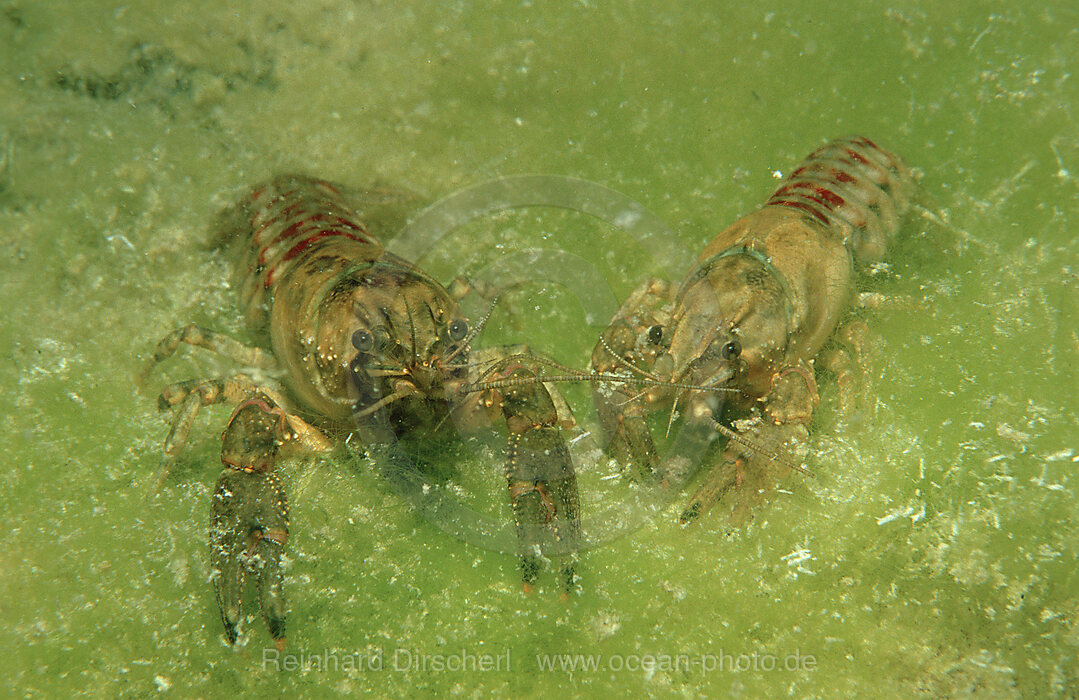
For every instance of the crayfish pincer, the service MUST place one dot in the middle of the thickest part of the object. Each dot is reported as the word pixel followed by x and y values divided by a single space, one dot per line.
pixel 749 319
pixel 249 526
pixel 354 341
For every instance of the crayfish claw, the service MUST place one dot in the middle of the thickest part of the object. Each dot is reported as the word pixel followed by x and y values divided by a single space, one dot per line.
pixel 715 484
pixel 272 602
pixel 541 479
pixel 226 548
pixel 247 536
pixel 249 522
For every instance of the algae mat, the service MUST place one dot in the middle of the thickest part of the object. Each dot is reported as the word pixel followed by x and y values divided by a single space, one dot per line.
pixel 934 552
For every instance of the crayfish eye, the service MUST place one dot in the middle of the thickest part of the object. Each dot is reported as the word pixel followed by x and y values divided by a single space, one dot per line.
pixel 362 340
pixel 731 350
pixel 458 329
pixel 655 335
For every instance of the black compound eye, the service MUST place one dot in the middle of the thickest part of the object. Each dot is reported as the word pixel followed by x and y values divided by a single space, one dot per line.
pixel 362 340
pixel 655 335
pixel 731 350
pixel 458 329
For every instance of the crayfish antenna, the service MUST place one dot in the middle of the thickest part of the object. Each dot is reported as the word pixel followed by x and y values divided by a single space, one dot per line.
pixel 772 455
pixel 626 363
pixel 383 402
pixel 577 376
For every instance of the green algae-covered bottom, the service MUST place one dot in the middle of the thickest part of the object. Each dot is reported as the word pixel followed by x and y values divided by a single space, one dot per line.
pixel 934 552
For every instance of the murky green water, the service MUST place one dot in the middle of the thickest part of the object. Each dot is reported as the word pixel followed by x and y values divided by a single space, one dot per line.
pixel 935 551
